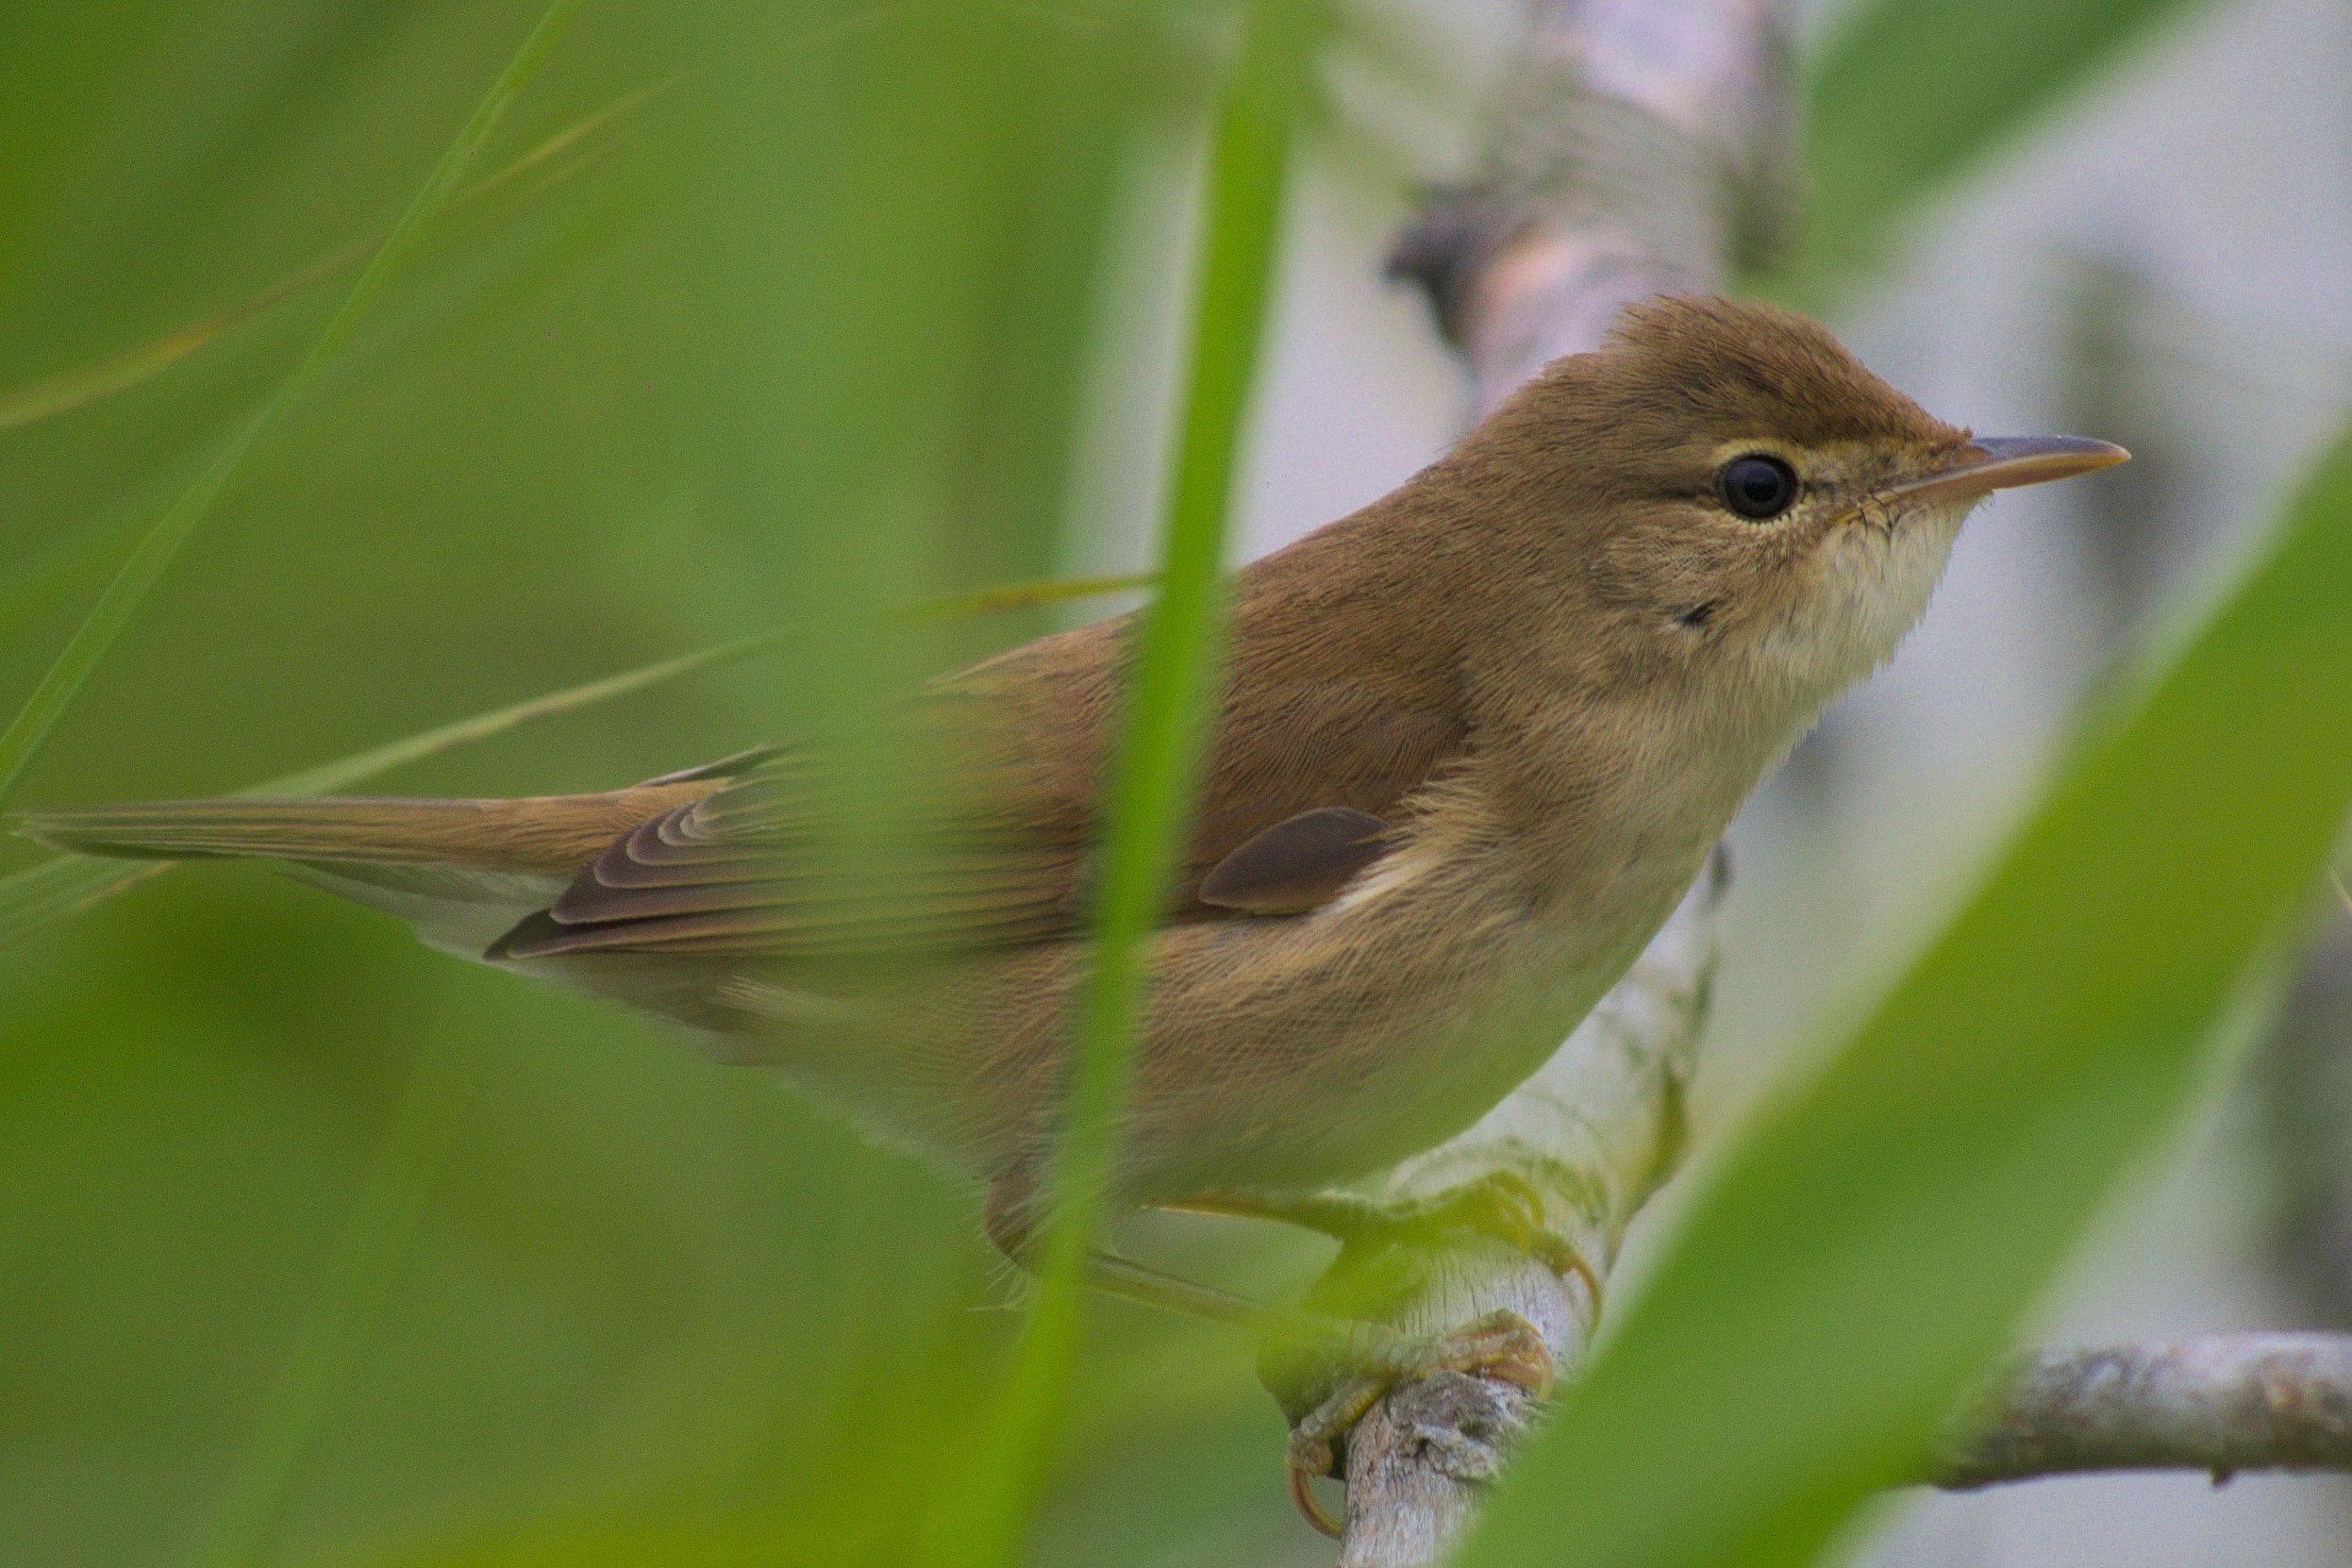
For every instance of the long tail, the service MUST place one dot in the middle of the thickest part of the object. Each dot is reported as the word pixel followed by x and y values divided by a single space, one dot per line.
pixel 549 835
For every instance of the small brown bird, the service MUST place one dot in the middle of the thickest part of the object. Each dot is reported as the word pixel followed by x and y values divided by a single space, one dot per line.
pixel 1475 742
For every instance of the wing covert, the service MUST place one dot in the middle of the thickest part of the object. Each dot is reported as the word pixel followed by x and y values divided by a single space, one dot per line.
pixel 992 848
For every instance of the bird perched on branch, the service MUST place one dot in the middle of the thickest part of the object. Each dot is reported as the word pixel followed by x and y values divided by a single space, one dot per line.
pixel 1472 744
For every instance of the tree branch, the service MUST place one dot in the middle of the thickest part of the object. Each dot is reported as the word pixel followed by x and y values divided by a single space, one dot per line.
pixel 1639 148
pixel 2221 1403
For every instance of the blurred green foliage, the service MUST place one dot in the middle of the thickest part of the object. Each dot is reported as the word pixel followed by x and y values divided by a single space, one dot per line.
pixel 781 320
pixel 116 606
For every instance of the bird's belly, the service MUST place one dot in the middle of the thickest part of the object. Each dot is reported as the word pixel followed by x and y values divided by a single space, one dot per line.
pixel 1278 1052
pixel 1374 1093
pixel 1364 1046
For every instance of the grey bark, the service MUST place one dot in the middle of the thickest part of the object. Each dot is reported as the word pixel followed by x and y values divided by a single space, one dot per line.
pixel 2220 1402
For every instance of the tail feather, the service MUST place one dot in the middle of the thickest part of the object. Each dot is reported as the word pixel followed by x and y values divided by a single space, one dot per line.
pixel 456 909
pixel 547 835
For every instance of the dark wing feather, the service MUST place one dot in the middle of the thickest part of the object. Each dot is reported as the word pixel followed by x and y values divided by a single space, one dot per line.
pixel 1298 863
pixel 731 874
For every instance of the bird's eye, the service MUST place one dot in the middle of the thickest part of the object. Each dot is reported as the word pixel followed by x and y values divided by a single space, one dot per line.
pixel 1756 486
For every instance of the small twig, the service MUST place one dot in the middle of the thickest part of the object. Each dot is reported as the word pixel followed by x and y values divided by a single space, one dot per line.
pixel 2220 1402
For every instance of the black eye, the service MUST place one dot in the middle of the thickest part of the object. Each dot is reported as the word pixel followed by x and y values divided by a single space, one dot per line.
pixel 1757 486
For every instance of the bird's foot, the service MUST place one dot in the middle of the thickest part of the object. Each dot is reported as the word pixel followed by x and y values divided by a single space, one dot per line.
pixel 1501 1346
pixel 1505 1207
pixel 1500 1205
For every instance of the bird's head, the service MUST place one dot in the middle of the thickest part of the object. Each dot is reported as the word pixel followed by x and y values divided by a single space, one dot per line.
pixel 1745 500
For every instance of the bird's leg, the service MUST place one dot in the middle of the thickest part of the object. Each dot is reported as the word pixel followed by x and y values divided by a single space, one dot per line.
pixel 1010 1219
pixel 1132 1281
pixel 1499 1205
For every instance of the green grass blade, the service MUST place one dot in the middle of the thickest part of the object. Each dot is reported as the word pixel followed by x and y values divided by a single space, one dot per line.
pixel 87 384
pixel 1031 595
pixel 38 897
pixel 34 899
pixel 344 771
pixel 1868 1243
pixel 63 571
pixel 1909 95
pixel 121 601
pixel 1149 801
pixel 358 1280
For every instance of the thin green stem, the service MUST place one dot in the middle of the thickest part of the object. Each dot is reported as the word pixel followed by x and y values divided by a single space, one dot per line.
pixel 360 1278
pixel 120 603
pixel 39 896
pixel 1176 662
pixel 86 384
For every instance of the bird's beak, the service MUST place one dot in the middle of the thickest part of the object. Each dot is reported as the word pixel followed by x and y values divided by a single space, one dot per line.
pixel 1996 462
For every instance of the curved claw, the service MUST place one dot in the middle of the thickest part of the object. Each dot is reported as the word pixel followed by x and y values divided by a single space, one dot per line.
pixel 1304 1499
pixel 1501 1345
